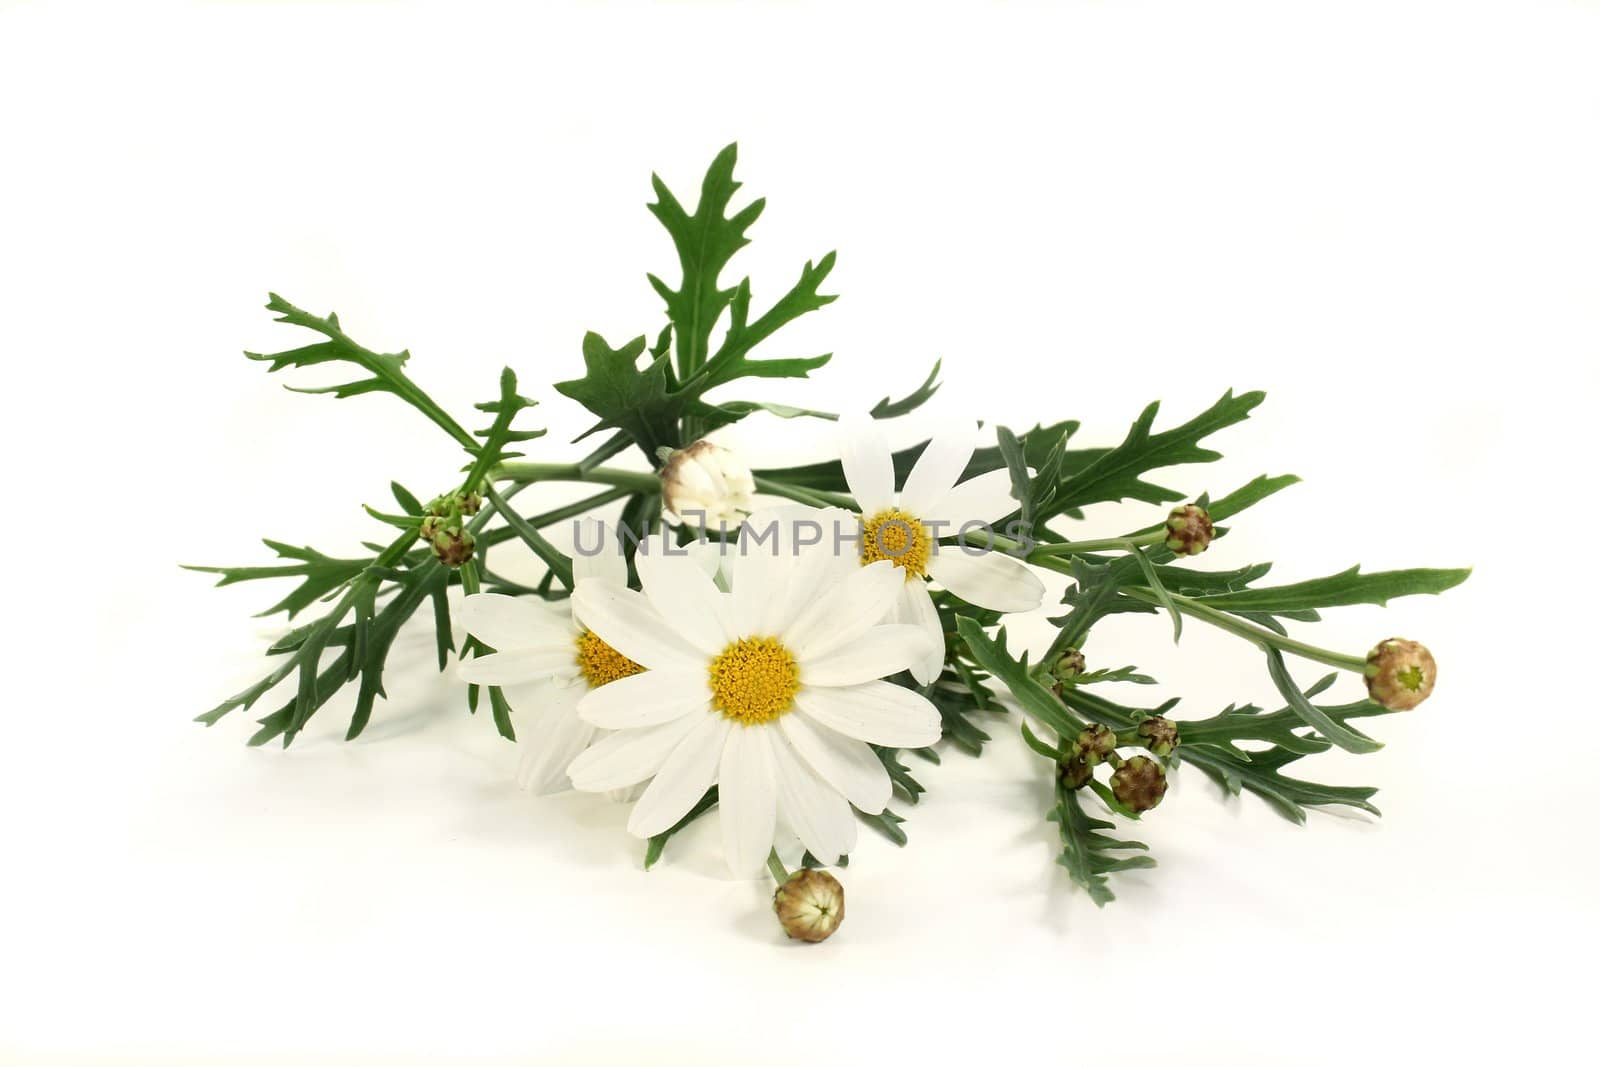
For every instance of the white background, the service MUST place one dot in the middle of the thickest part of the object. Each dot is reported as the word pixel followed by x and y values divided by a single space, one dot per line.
pixel 1385 214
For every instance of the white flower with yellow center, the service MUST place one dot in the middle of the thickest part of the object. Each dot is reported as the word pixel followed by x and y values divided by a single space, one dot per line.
pixel 904 527
pixel 546 659
pixel 770 691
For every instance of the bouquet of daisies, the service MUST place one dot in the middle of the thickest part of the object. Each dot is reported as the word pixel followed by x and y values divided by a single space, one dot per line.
pixel 766 647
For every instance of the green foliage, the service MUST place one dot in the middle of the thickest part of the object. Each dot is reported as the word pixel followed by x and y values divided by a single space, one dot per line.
pixel 1338 590
pixel 1118 474
pixel 1089 854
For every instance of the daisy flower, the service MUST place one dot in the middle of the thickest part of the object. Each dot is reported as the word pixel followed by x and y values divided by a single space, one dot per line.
pixel 770 691
pixel 904 528
pixel 546 660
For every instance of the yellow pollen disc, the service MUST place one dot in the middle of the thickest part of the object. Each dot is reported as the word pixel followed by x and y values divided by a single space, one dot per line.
pixel 893 535
pixel 754 680
pixel 600 663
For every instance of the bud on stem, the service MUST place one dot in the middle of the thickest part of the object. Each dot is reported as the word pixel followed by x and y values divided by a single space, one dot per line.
pixel 809 905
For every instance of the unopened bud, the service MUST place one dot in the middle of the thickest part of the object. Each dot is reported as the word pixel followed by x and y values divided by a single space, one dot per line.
pixel 1074 771
pixel 810 905
pixel 706 483
pixel 1070 664
pixel 1139 784
pixel 1400 674
pixel 1160 734
pixel 451 544
pixel 1096 743
pixel 451 505
pixel 1188 530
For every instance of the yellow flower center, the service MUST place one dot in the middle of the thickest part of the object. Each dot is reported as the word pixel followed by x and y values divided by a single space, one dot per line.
pixel 600 663
pixel 754 680
pixel 893 535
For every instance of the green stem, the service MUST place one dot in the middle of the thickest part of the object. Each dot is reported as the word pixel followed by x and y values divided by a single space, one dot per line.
pixel 633 481
pixel 1103 544
pixel 775 866
pixel 817 498
pixel 1257 635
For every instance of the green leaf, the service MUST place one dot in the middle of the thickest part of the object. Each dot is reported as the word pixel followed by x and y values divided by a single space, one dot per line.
pixel 991 654
pixel 386 370
pixel 732 357
pixel 900 775
pixel 1095 592
pixel 323 575
pixel 499 435
pixel 893 409
pixel 1339 590
pixel 1346 737
pixel 886 823
pixel 1118 473
pixel 1088 854
pixel 553 558
pixel 705 242
pixel 623 396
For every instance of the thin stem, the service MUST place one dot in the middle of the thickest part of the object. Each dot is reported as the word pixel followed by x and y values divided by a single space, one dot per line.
pixel 1257 635
pixel 775 866
pixel 815 497
pixel 1102 544
pixel 634 481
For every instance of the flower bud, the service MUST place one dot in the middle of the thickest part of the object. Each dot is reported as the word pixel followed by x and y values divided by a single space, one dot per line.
pixel 706 483
pixel 1069 665
pixel 451 505
pixel 1400 674
pixel 1139 784
pixel 1188 530
pixel 1074 771
pixel 451 544
pixel 810 905
pixel 1096 743
pixel 1160 734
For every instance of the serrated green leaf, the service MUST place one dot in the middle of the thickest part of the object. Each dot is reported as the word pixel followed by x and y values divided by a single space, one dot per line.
pixel 1339 590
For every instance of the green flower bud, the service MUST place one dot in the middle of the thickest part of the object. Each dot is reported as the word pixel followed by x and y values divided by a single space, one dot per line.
pixel 1139 784
pixel 1070 664
pixel 451 505
pixel 1074 771
pixel 1188 530
pixel 451 544
pixel 1096 743
pixel 1160 734
pixel 1400 674
pixel 810 905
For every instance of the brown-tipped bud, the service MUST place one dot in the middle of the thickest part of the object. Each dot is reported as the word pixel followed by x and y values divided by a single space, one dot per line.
pixel 1139 784
pixel 1188 530
pixel 1069 664
pixel 451 505
pixel 451 544
pixel 1074 771
pixel 810 905
pixel 1160 734
pixel 1096 743
pixel 1400 674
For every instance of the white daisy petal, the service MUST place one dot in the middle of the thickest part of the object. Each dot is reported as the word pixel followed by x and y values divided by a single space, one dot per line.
pixel 985 498
pixel 683 778
pixel 990 580
pixel 685 596
pixel 846 764
pixel 814 809
pixel 784 556
pixel 877 653
pixel 868 463
pixel 915 608
pixel 518 665
pixel 508 622
pixel 598 553
pixel 645 699
pixel 938 468
pixel 628 756
pixel 549 733
pixel 748 798
pixel 878 712
pixel 844 609
pixel 626 621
